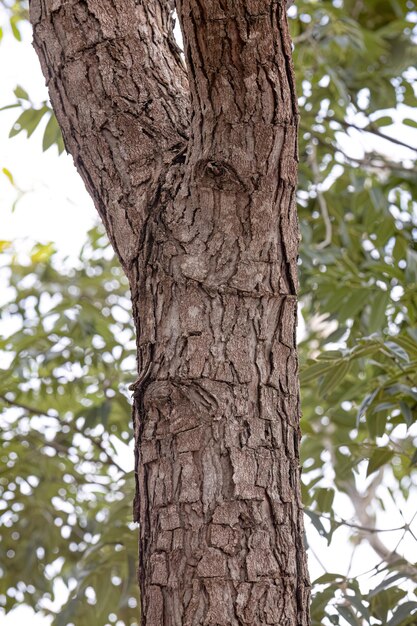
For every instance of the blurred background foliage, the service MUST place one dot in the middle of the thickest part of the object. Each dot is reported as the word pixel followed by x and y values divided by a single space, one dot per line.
pixel 65 507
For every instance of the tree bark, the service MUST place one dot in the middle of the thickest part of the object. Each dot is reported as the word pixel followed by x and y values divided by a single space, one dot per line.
pixel 194 176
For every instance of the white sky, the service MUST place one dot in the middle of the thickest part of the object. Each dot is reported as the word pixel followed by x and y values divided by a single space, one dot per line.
pixel 57 208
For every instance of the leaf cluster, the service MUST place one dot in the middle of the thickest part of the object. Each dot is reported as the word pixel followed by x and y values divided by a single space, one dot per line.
pixel 358 267
pixel 65 508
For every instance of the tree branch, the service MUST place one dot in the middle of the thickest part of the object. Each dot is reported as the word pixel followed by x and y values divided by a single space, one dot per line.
pixel 256 89
pixel 119 90
pixel 367 529
pixel 371 161
pixel 374 130
pixel 360 504
pixel 321 200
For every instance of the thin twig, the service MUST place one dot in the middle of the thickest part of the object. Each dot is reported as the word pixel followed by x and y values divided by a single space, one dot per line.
pixel 360 503
pixel 368 529
pixel 321 199
pixel 317 558
pixel 366 162
pixel 374 130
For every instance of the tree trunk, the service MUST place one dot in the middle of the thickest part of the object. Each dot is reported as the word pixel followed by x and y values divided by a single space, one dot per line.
pixel 200 208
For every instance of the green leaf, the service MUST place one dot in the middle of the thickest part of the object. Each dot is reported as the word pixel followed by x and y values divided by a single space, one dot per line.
pixel 397 350
pixel 324 498
pixel 380 457
pixel 366 403
pixel 329 578
pixel 52 135
pixel 8 174
pixel 347 613
pixel 386 120
pixel 357 601
pixel 319 603
pixel 411 271
pixel 365 349
pixel 403 613
pixel 385 600
pixel 10 106
pixel 378 306
pixel 21 93
pixel 407 413
pixel 42 253
pixel 385 583
pixel 315 371
pixel 376 420
pixel 317 523
pixel 355 302
pixel 414 459
pixel 28 121
pixel 410 122
pixel 335 377
pixel 408 343
pixel 13 25
pixel 4 245
pixel 330 355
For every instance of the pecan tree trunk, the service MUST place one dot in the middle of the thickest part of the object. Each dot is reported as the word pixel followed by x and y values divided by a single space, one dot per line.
pixel 192 166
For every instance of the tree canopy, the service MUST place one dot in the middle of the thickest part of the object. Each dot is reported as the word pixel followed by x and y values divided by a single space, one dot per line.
pixel 68 346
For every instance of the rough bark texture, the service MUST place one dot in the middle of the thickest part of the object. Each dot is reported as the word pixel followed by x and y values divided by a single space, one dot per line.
pixel 206 229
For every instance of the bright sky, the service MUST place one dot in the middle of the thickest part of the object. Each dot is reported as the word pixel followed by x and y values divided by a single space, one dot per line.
pixel 57 208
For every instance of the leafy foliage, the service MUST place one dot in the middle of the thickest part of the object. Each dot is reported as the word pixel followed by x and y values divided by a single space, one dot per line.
pixel 16 12
pixel 66 502
pixel 30 118
pixel 64 400
pixel 358 275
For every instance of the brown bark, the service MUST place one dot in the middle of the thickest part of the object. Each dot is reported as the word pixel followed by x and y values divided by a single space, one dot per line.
pixel 206 229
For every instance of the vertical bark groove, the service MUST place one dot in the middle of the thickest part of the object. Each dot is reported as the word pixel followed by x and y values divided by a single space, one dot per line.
pixel 207 231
